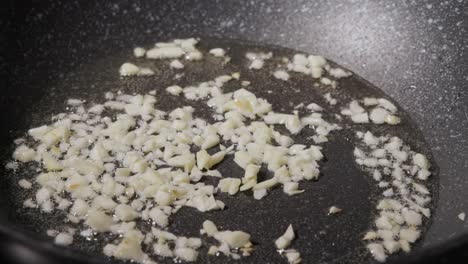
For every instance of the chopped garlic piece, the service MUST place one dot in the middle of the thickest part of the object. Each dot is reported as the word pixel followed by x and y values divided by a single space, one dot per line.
pixel 43 195
pixel 334 210
pixel 377 251
pixel 79 208
pixel 259 194
pixel 411 217
pixel 328 98
pixel 292 122
pixel 339 73
pixel 392 120
pixel 409 235
pixel 291 188
pixel 51 163
pixel 139 52
pixel 176 64
pixel 282 75
pixel 235 239
pixel 129 248
pixel 370 101
pixel 421 161
pixel 174 90
pixel 285 240
pixel 217 52
pixel 242 159
pixel 229 185
pixel 186 254
pixel 378 115
pixel 162 250
pixel 360 118
pixel 257 59
pixel 266 184
pixel 293 256
pixel 314 107
pixel 387 105
pixel 391 246
pixel 63 239
pixel 25 184
pixel 370 236
pixel 125 212
pixel 256 64
pixel 209 228
pixel 128 69
pixel 159 217
pixel 24 154
pixel 164 53
pixel 99 221
pixel 213 250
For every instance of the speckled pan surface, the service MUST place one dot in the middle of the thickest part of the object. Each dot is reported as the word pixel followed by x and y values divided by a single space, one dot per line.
pixel 322 238
pixel 416 51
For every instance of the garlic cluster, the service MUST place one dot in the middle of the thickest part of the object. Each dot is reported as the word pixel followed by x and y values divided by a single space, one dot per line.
pixel 176 49
pixel 114 164
pixel 129 69
pixel 281 74
pixel 138 163
pixel 217 52
pixel 108 172
pixel 258 142
pixel 64 238
pixel 282 244
pixel 231 243
pixel 400 173
pixel 257 60
pixel 316 66
pixel 164 244
pixel 382 111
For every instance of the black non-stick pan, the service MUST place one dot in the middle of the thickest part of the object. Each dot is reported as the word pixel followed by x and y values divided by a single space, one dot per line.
pixel 414 51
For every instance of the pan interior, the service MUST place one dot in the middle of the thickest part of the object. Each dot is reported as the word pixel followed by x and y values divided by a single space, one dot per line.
pixel 320 238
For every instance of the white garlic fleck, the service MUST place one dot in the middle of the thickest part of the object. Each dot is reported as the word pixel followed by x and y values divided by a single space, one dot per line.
pixel 334 210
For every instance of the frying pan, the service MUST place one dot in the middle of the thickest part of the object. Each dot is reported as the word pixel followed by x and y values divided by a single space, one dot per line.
pixel 413 51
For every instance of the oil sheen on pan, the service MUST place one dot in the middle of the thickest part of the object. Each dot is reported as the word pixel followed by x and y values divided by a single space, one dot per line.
pixel 213 151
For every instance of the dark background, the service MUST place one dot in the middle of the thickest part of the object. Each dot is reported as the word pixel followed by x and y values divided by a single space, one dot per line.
pixel 416 51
